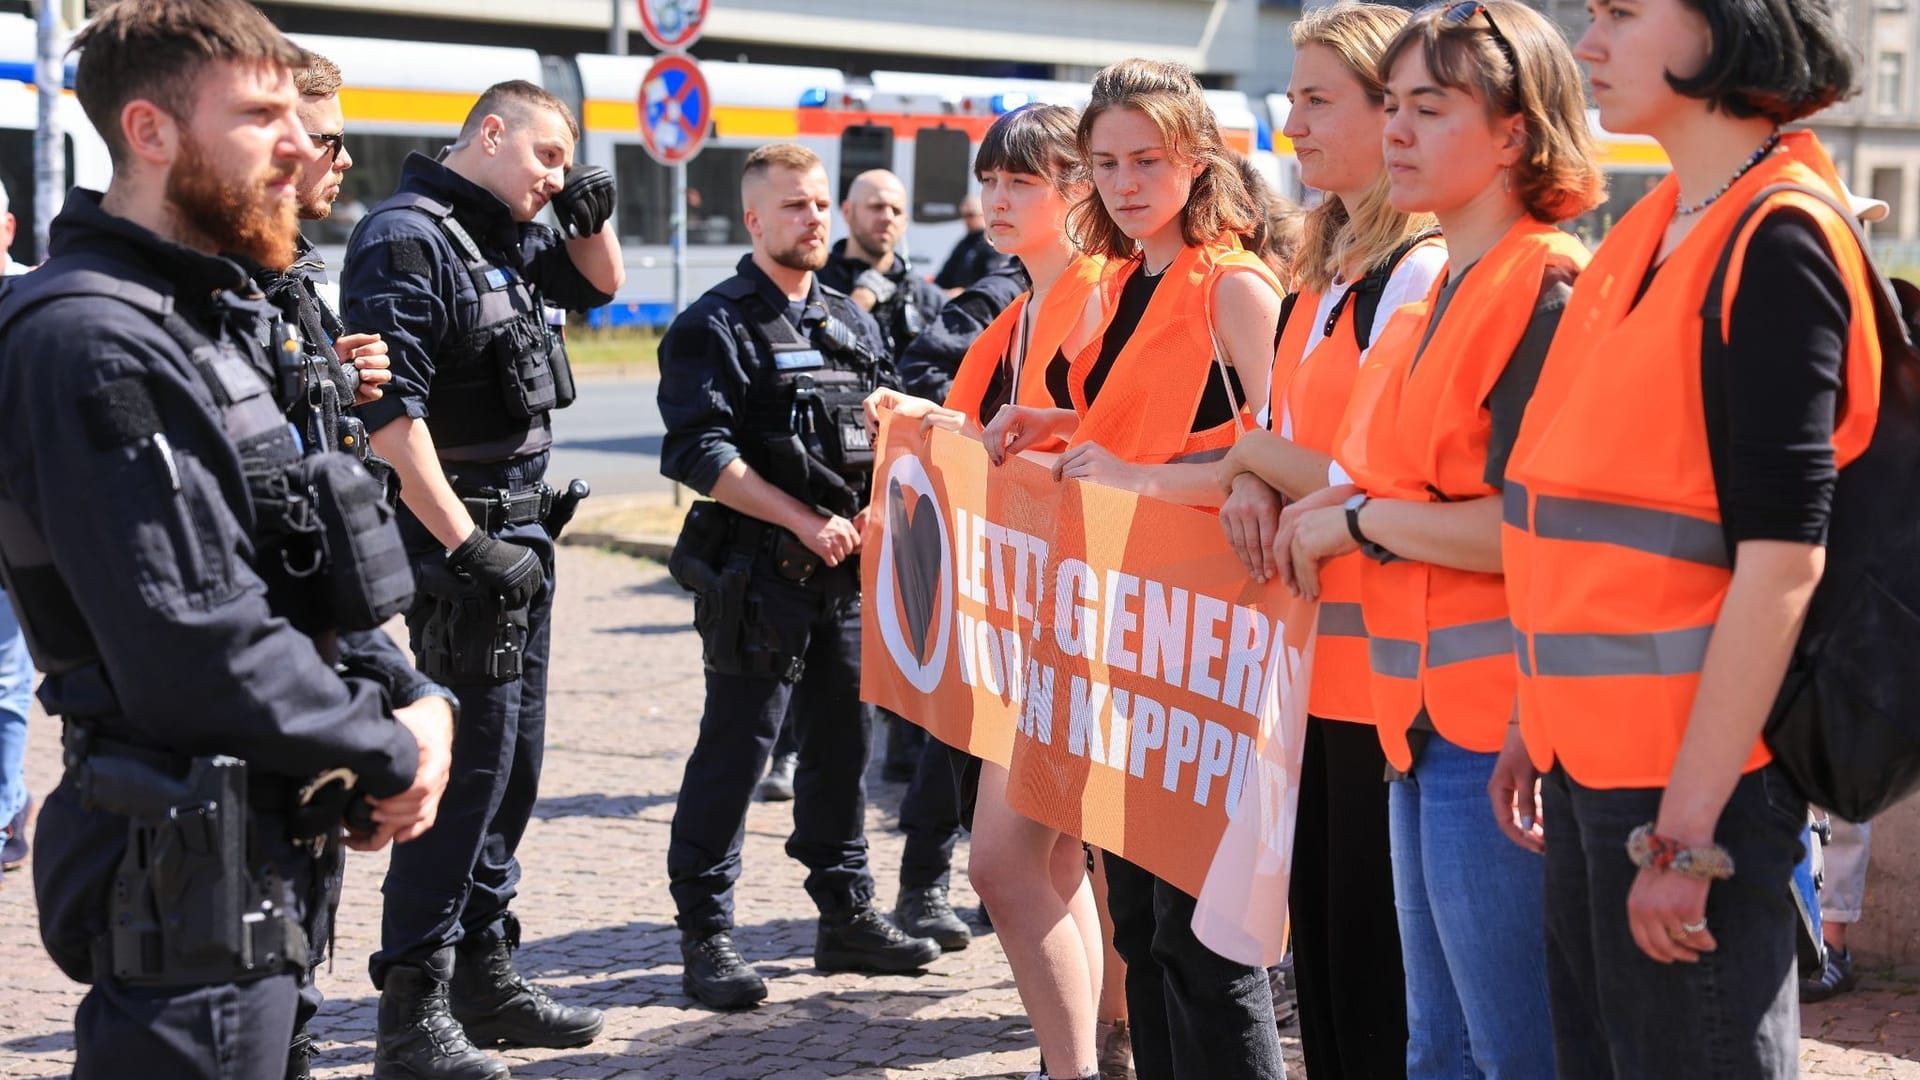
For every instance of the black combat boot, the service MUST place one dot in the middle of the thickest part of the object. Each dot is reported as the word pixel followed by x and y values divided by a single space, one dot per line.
pixel 715 974
pixel 418 1037
pixel 499 1007
pixel 300 1056
pixel 861 939
pixel 924 912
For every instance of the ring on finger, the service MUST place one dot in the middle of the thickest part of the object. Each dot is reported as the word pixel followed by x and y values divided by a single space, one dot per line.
pixel 1694 927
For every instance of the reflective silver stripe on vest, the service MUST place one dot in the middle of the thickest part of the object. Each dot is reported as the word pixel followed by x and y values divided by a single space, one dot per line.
pixel 1664 652
pixel 1657 532
pixel 1394 658
pixel 1521 653
pixel 1513 505
pixel 1471 641
pixel 1342 620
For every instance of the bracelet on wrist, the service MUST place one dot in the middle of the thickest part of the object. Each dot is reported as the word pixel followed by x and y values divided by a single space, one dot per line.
pixel 1648 849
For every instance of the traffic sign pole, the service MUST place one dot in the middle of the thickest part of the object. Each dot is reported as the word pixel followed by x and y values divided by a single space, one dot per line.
pixel 679 237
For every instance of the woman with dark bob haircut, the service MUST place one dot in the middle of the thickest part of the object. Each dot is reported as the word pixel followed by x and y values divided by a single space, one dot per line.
pixel 1664 526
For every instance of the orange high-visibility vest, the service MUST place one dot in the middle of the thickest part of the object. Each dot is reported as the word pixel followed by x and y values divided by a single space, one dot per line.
pixel 1316 396
pixel 1060 310
pixel 1418 429
pixel 1146 406
pixel 1616 562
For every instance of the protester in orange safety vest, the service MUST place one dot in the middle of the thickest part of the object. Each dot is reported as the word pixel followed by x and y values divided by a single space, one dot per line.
pixel 1665 522
pixel 1178 364
pixel 1362 259
pixel 1488 131
pixel 1032 878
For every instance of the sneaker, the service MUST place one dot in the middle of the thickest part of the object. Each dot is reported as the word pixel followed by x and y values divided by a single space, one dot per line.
pixel 716 975
pixel 863 940
pixel 1280 984
pixel 778 786
pixel 1116 1051
pixel 925 912
pixel 1836 978
pixel 15 850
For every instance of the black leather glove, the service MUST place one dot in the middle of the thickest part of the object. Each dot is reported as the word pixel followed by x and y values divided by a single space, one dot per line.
pixel 511 570
pixel 586 203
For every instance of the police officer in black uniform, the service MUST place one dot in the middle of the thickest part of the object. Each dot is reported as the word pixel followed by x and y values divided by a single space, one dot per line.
pixel 870 267
pixel 761 381
pixel 161 537
pixel 452 272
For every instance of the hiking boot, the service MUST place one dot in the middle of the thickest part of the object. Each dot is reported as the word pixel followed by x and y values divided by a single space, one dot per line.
pixel 778 786
pixel 1836 978
pixel 499 1007
pixel 300 1056
pixel 1116 1051
pixel 715 974
pixel 418 1037
pixel 924 912
pixel 863 940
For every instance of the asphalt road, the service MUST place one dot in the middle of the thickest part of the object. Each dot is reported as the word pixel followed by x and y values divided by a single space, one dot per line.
pixel 610 437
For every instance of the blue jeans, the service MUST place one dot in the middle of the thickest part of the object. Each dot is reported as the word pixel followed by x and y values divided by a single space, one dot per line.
pixel 16 697
pixel 1470 904
pixel 1617 1014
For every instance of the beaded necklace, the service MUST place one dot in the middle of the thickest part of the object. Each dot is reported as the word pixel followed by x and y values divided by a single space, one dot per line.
pixel 1766 148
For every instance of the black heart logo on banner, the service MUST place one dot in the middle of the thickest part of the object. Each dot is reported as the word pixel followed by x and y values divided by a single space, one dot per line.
pixel 917 558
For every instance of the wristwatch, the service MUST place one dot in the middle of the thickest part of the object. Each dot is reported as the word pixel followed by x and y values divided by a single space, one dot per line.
pixel 1367 547
pixel 1353 505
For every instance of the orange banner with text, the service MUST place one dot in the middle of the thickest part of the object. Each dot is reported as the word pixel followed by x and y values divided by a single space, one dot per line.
pixel 1110 652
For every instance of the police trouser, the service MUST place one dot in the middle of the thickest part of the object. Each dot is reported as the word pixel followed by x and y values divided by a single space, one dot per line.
pixel 820 621
pixel 222 1031
pixel 454 883
pixel 930 815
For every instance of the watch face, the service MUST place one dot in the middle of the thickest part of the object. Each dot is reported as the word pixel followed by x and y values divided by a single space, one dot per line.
pixel 1355 502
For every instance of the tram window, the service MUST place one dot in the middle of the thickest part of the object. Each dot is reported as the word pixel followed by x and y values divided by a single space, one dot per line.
pixel 16 169
pixel 863 147
pixel 377 160
pixel 941 166
pixel 645 213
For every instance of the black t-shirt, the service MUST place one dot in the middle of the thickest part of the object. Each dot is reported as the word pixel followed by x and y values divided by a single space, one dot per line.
pixel 1773 401
pixel 1514 388
pixel 1216 404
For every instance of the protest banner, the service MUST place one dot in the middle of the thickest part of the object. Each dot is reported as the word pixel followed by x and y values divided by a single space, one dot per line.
pixel 1110 652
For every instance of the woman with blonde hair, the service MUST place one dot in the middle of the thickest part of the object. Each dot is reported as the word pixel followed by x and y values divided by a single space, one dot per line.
pixel 1361 259
pixel 1175 364
pixel 1487 130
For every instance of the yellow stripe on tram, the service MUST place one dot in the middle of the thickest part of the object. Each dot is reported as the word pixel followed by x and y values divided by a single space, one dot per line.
pixel 730 121
pixel 372 105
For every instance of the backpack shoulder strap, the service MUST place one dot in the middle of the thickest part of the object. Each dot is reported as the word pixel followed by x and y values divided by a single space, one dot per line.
pixel 1366 292
pixel 1287 304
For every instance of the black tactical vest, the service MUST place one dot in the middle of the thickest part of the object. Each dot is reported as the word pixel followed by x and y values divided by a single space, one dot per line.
pixel 806 430
pixel 507 371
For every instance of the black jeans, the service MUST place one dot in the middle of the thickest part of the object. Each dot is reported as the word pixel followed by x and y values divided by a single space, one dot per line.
pixel 737 731
pixel 1351 981
pixel 1195 1015
pixel 930 816
pixel 1618 1015
pixel 457 880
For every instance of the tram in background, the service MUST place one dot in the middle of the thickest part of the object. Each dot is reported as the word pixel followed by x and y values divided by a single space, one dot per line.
pixel 403 96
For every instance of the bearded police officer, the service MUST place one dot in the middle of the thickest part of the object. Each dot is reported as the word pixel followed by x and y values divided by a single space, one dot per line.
pixel 452 273
pixel 870 267
pixel 761 381
pixel 184 573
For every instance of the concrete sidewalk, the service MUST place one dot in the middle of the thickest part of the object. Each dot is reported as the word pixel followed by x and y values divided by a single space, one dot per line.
pixel 626 700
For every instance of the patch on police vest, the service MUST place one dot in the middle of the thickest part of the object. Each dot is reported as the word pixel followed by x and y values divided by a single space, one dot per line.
pixel 119 414
pixel 409 256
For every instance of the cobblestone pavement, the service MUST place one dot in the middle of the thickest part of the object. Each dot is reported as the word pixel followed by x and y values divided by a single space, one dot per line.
pixel 625 704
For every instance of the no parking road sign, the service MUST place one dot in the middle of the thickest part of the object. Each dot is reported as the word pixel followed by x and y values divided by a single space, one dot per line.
pixel 672 24
pixel 675 109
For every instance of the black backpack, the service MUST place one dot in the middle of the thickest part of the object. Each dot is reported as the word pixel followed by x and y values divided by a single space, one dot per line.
pixel 1364 294
pixel 1846 725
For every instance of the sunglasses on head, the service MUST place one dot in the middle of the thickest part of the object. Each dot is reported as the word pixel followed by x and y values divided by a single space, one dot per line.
pixel 333 143
pixel 1459 14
